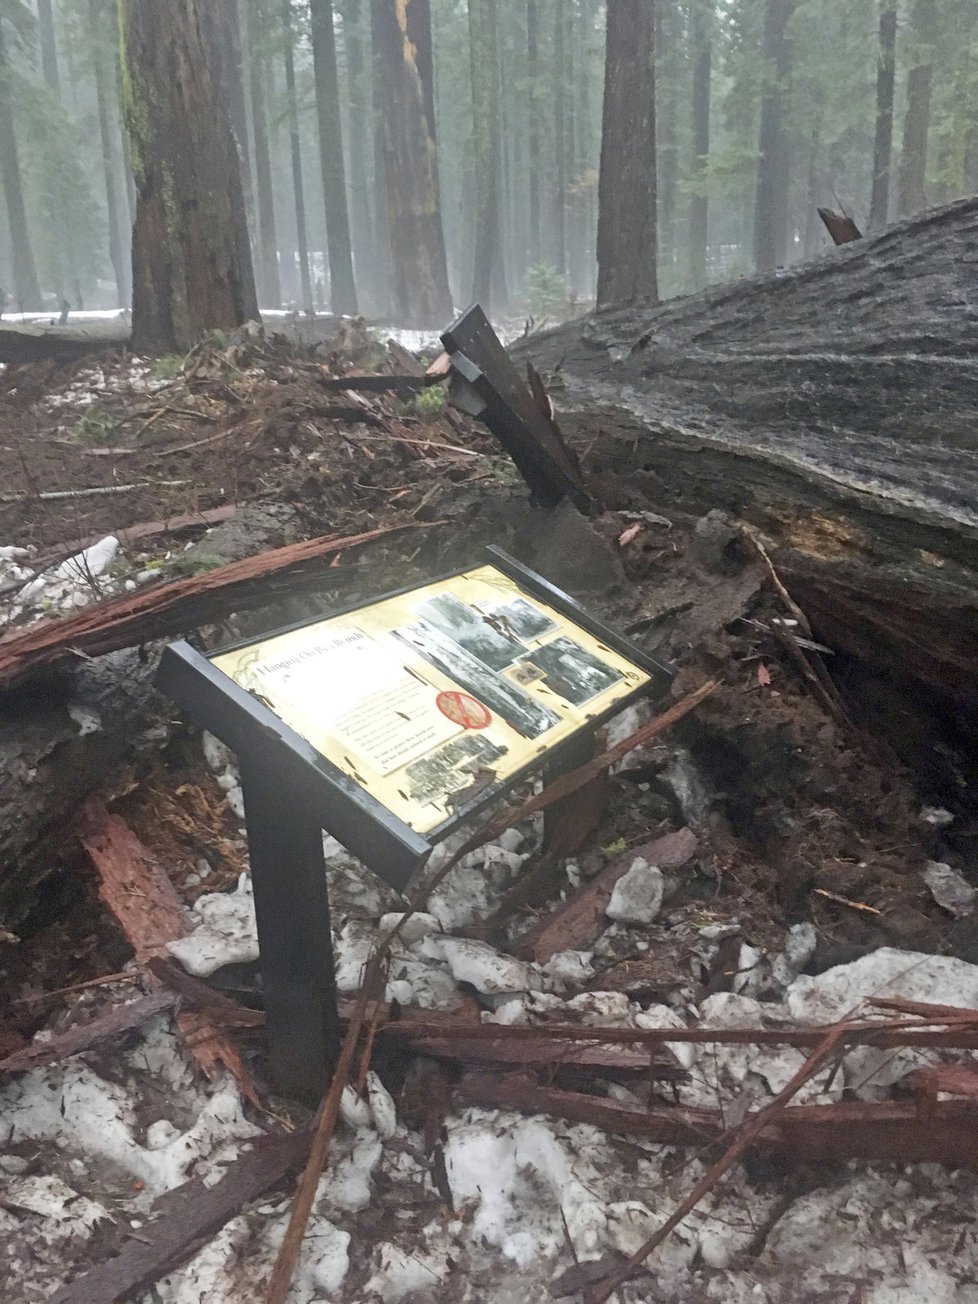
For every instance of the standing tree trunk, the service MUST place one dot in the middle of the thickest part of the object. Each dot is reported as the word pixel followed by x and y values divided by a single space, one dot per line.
pixel 269 283
pixel 916 124
pixel 533 143
pixel 301 237
pixel 191 259
pixel 699 204
pixel 483 46
pixel 773 171
pixel 27 291
pixel 118 252
pixel 879 205
pixel 667 55
pixel 49 46
pixel 626 188
pixel 560 142
pixel 230 73
pixel 419 270
pixel 343 295
pixel 364 240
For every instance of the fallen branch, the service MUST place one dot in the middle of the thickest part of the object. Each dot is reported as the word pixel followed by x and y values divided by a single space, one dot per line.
pixel 173 608
pixel 88 1036
pixel 99 491
pixel 748 1131
pixel 892 1131
pixel 183 1219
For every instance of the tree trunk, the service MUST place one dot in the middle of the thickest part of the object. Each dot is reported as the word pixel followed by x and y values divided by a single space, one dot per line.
pixel 916 124
pixel 230 73
pixel 483 47
pixel 699 204
pixel 879 205
pixel 358 86
pixel 118 251
pixel 533 143
pixel 27 291
pixel 378 101
pixel 419 271
pixel 269 282
pixel 626 197
pixel 302 239
pixel 49 46
pixel 667 54
pixel 191 259
pixel 773 171
pixel 560 141
pixel 866 492
pixel 343 295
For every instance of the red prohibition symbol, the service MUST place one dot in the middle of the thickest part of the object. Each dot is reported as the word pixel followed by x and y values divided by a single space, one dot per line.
pixel 462 709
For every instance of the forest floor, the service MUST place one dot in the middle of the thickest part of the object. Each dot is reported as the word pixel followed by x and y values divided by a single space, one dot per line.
pixel 805 894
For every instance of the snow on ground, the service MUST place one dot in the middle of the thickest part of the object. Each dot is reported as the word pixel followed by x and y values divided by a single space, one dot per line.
pixel 86 1142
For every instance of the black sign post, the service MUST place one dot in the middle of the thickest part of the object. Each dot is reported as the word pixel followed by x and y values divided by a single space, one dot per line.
pixel 292 792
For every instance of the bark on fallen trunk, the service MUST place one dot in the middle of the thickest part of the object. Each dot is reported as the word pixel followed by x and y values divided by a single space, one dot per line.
pixel 835 407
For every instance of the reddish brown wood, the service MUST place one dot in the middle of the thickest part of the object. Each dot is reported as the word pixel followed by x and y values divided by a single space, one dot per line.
pixel 840 226
pixel 172 608
pixel 105 1029
pixel 581 917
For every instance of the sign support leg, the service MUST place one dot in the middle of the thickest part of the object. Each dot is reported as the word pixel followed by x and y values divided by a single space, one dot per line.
pixel 296 947
pixel 575 753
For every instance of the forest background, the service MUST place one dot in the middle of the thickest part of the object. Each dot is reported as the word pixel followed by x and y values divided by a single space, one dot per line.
pixel 764 110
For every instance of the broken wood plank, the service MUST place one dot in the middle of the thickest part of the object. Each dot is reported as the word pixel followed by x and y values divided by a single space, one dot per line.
pixel 840 226
pixel 173 608
pixel 100 1031
pixel 889 1131
pixel 183 1219
pixel 543 1053
pixel 140 895
pixel 581 917
pixel 485 384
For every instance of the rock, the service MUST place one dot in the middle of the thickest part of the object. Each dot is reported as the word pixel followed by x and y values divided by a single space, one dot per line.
pixel 637 896
pixel 484 968
pixel 949 889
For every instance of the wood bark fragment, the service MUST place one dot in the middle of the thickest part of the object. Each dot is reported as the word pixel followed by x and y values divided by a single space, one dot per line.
pixel 577 921
pixel 170 609
pixel 887 1131
pixel 183 1219
pixel 137 891
pixel 101 1031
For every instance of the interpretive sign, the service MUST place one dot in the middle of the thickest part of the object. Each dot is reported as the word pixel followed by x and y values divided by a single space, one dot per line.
pixel 387 726
pixel 416 696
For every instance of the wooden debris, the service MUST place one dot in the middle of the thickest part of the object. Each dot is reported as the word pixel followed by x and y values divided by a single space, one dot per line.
pixel 485 384
pixel 581 917
pixel 100 1031
pixel 840 226
pixel 173 608
pixel 137 891
pixel 183 1219
pixel 904 1131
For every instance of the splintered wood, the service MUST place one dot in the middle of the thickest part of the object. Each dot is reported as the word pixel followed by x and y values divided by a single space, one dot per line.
pixel 137 891
pixel 172 608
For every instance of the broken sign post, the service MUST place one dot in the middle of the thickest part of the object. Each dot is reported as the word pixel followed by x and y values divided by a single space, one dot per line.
pixel 388 725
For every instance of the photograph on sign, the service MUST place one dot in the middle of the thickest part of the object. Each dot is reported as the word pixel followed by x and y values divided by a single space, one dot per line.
pixel 431 696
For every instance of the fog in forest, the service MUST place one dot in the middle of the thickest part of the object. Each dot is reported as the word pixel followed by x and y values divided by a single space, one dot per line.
pixel 764 112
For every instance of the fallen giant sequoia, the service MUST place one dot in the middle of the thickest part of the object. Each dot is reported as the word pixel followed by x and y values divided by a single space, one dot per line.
pixel 833 406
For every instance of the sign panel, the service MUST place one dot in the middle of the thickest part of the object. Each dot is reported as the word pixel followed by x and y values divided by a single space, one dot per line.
pixel 427 698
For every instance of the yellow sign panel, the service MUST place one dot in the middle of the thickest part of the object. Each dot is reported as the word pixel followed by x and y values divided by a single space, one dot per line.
pixel 428 698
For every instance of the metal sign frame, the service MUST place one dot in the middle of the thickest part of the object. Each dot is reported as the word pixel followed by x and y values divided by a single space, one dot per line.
pixel 292 793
